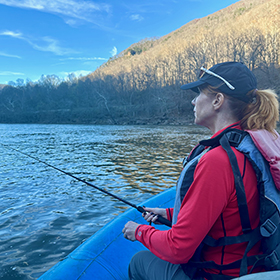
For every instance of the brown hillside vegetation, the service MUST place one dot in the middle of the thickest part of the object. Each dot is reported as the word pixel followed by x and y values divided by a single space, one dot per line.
pixel 142 84
pixel 246 31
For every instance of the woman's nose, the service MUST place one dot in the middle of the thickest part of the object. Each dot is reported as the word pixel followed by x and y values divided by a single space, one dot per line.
pixel 193 101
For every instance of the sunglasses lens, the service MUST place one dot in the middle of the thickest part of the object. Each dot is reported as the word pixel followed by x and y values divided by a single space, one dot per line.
pixel 201 73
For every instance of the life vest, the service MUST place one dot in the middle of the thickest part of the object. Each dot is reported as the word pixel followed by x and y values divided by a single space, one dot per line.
pixel 268 231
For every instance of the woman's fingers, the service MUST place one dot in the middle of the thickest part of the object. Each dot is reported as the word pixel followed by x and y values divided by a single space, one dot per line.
pixel 150 216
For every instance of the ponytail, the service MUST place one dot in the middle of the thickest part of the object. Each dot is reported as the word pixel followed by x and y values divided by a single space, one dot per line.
pixel 262 112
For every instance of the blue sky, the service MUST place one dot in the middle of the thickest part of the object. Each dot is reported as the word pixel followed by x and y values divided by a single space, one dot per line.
pixel 75 36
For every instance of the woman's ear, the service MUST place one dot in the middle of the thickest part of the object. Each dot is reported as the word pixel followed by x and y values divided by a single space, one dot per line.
pixel 218 101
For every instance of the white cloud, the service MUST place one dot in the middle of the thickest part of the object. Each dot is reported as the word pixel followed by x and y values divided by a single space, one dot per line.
pixel 11 34
pixel 9 55
pixel 46 44
pixel 114 51
pixel 78 9
pixel 136 17
pixel 9 73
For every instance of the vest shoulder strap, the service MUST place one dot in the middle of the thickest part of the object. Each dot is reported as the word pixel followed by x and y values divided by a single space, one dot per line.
pixel 239 186
pixel 269 146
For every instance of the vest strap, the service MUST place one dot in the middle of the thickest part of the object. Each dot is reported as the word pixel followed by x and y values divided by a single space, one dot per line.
pixel 229 240
pixel 239 186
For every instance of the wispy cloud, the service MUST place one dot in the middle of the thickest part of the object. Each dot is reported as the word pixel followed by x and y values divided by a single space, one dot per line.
pixel 10 73
pixel 11 34
pixel 114 51
pixel 76 9
pixel 9 55
pixel 49 44
pixel 46 44
pixel 136 17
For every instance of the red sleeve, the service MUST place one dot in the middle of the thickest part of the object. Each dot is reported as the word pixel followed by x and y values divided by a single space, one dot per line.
pixel 204 202
pixel 169 213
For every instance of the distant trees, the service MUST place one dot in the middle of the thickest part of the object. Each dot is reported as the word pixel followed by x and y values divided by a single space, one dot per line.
pixel 142 84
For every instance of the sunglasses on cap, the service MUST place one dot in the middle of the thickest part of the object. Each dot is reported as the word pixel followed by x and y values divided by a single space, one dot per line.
pixel 204 70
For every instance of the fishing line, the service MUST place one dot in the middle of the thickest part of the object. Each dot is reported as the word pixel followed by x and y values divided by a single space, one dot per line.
pixel 160 219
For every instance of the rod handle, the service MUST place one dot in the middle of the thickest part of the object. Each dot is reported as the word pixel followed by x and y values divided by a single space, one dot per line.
pixel 160 219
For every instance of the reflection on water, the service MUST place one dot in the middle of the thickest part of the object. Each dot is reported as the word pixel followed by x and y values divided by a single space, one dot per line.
pixel 45 214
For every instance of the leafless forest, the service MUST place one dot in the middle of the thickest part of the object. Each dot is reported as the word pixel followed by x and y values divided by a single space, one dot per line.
pixel 141 85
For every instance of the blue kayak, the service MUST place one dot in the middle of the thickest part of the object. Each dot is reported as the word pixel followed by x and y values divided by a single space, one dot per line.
pixel 107 253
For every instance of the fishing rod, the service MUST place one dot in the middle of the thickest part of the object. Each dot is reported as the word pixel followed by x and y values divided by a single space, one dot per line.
pixel 160 219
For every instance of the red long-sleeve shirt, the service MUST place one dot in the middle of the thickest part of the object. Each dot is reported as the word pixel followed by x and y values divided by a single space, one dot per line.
pixel 209 207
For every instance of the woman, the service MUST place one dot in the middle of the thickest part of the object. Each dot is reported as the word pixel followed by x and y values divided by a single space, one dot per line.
pixel 206 201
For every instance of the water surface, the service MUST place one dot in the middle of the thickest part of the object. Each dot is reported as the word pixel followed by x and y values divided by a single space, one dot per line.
pixel 44 214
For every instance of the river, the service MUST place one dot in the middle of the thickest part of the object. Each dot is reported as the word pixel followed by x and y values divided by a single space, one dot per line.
pixel 45 214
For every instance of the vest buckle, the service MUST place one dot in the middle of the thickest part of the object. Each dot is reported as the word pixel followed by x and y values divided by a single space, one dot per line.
pixel 271 260
pixel 268 228
pixel 234 138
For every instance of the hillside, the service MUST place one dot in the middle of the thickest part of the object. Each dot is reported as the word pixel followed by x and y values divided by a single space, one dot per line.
pixel 141 85
pixel 213 39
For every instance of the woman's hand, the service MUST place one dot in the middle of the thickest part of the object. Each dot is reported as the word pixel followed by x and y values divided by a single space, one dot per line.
pixel 129 230
pixel 151 214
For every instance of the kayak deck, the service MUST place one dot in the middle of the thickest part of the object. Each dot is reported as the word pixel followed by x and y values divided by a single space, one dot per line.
pixel 106 254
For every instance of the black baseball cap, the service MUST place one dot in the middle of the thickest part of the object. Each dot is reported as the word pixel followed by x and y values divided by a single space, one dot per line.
pixel 231 78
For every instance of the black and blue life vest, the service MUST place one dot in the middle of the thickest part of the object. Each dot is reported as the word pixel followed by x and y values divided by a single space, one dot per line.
pixel 268 231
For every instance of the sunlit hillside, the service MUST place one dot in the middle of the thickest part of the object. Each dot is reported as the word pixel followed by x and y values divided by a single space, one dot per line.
pixel 246 31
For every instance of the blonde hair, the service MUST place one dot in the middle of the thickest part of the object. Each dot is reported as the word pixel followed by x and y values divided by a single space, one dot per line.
pixel 261 113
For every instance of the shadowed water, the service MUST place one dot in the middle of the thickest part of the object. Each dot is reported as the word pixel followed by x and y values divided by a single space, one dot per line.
pixel 44 214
